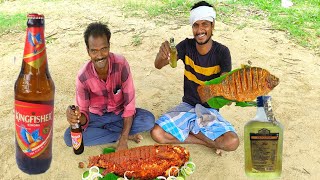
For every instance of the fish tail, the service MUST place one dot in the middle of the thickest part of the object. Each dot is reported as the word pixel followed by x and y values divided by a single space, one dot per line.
pixel 206 92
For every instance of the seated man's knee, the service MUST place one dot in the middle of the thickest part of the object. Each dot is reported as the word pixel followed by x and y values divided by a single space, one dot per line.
pixel 232 143
pixel 159 135
pixel 156 133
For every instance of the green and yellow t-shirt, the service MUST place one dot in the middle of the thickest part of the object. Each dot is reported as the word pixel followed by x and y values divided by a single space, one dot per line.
pixel 201 68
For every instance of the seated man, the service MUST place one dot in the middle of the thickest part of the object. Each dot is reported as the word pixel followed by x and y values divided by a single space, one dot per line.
pixel 204 59
pixel 105 96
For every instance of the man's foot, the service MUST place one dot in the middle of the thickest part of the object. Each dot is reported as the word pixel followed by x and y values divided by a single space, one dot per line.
pixel 218 152
pixel 136 138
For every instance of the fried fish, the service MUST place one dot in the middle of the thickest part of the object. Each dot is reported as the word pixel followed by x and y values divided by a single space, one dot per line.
pixel 246 84
pixel 145 162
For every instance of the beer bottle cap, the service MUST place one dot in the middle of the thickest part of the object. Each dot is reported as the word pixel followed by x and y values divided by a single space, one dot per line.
pixel 35 16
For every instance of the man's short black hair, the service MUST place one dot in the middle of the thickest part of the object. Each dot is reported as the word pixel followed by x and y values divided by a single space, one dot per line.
pixel 201 3
pixel 96 29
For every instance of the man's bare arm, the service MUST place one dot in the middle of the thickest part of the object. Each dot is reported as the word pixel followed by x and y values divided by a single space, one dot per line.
pixel 162 58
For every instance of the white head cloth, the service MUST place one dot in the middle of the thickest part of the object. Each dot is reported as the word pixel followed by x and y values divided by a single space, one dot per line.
pixel 202 13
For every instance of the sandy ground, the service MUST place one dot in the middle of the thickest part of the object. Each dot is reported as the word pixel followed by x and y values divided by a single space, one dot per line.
pixel 295 99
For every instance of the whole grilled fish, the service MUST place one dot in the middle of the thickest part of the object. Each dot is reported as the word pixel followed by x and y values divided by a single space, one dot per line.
pixel 246 84
pixel 145 162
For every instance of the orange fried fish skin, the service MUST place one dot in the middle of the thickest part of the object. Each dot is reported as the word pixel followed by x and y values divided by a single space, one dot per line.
pixel 243 85
pixel 145 162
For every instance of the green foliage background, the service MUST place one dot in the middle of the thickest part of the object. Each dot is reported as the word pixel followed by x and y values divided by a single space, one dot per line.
pixel 301 21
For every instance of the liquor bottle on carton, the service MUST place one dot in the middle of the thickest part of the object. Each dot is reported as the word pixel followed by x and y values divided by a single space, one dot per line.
pixel 263 142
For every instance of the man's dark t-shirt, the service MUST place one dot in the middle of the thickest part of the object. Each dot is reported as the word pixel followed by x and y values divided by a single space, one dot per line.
pixel 201 68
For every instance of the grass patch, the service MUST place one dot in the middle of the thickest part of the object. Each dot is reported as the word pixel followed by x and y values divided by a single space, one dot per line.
pixel 155 8
pixel 301 21
pixel 9 23
pixel 50 0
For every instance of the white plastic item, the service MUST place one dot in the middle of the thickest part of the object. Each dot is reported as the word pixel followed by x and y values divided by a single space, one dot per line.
pixel 286 3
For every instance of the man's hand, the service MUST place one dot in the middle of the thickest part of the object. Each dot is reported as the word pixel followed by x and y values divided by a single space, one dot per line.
pixel 123 141
pixel 222 75
pixel 122 144
pixel 163 55
pixel 73 116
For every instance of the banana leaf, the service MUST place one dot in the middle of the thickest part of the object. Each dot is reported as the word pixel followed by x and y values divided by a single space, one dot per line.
pixel 219 101
pixel 108 150
pixel 109 176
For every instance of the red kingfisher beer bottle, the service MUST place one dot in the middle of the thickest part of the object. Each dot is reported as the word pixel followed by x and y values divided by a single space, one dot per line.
pixel 34 101
pixel 76 136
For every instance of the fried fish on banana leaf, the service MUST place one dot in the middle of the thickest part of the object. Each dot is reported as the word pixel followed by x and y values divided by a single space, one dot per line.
pixel 242 85
pixel 145 162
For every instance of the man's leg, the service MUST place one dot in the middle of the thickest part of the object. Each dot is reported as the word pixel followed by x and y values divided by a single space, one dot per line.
pixel 180 122
pixel 107 128
pixel 97 133
pixel 161 136
pixel 175 115
pixel 143 121
pixel 227 142
pixel 93 136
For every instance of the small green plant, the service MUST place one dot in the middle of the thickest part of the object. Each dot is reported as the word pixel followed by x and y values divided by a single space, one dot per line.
pixel 50 40
pixel 15 22
pixel 136 40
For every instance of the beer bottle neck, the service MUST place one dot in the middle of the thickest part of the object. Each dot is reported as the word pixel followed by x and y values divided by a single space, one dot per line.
pixel 35 56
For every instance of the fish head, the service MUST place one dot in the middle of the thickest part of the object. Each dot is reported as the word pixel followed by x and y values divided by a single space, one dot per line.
pixel 272 81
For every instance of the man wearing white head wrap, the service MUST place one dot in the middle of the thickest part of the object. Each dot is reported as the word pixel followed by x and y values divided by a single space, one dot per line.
pixel 202 20
pixel 204 59
pixel 202 13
